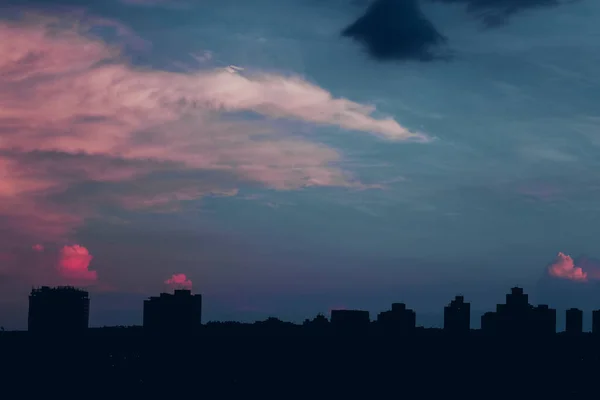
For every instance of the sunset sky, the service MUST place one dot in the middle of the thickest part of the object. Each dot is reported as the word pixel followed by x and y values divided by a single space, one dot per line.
pixel 287 157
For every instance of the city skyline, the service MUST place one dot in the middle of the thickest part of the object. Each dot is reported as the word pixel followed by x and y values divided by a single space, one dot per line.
pixel 290 157
pixel 55 309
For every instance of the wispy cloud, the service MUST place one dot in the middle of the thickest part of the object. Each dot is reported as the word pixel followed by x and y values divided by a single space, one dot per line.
pixel 75 113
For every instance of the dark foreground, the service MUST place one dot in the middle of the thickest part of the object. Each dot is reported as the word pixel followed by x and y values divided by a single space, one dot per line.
pixel 121 363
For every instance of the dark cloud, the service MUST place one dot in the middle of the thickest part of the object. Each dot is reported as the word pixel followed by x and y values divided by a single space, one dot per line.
pixel 497 12
pixel 396 29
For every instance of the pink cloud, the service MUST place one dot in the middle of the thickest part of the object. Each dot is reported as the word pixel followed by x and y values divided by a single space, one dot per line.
pixel 76 112
pixel 564 268
pixel 38 247
pixel 179 281
pixel 73 264
pixel 55 265
pixel 590 266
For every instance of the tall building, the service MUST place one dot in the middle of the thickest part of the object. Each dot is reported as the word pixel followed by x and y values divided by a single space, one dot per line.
pixel 350 320
pixel 518 317
pixel 517 299
pixel 399 319
pixel 544 321
pixel 62 309
pixel 457 316
pixel 596 322
pixel 574 323
pixel 489 323
pixel 514 317
pixel 180 312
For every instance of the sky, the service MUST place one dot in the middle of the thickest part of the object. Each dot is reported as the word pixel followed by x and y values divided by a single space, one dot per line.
pixel 289 157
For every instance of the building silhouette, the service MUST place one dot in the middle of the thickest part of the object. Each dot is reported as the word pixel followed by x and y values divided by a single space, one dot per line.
pixel 61 309
pixel 518 317
pixel 596 322
pixel 399 319
pixel 320 322
pixel 65 309
pixel 544 322
pixel 574 323
pixel 350 320
pixel 457 316
pixel 489 322
pixel 511 317
pixel 180 312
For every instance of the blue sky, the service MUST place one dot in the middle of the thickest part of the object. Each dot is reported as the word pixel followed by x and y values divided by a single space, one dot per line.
pixel 281 199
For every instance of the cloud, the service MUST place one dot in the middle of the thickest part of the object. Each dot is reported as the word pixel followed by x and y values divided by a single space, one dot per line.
pixel 399 30
pixel 46 265
pixel 82 129
pixel 38 247
pixel 396 29
pixel 590 266
pixel 570 282
pixel 179 281
pixel 73 264
pixel 497 12
pixel 564 267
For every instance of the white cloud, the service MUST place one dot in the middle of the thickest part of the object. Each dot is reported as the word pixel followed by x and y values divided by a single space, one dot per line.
pixel 66 93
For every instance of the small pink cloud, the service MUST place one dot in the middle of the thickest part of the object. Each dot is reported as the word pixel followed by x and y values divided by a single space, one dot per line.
pixel 24 266
pixel 38 248
pixel 73 264
pixel 564 268
pixel 179 281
